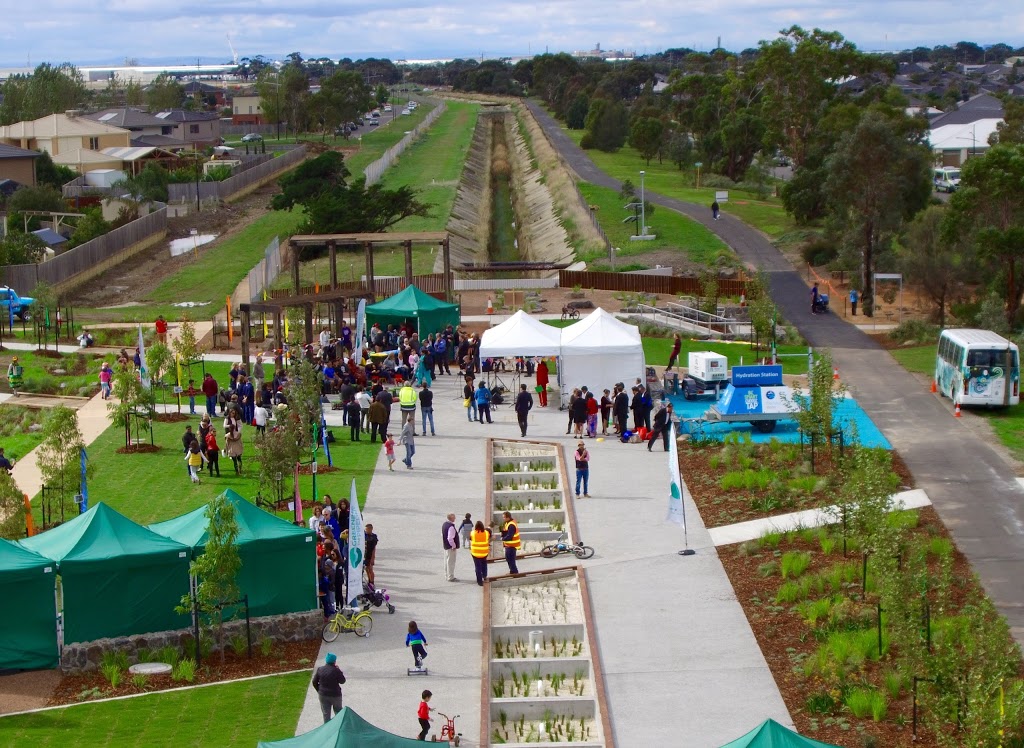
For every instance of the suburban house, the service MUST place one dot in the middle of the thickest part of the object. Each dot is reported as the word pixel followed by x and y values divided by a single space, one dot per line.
pixel 146 129
pixel 964 132
pixel 245 109
pixel 18 165
pixel 61 135
pixel 198 129
pixel 205 92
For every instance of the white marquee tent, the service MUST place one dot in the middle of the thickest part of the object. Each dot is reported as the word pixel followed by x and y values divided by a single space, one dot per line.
pixel 521 335
pixel 599 351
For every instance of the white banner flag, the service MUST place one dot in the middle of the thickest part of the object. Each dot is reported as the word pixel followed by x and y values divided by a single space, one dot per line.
pixel 676 508
pixel 143 368
pixel 357 343
pixel 356 547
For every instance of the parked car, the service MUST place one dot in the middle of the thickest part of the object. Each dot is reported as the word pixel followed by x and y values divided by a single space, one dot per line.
pixel 252 137
pixel 946 179
pixel 406 111
pixel 12 303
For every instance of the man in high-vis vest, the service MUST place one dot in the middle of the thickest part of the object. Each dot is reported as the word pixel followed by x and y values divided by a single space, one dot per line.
pixel 479 549
pixel 510 539
pixel 407 400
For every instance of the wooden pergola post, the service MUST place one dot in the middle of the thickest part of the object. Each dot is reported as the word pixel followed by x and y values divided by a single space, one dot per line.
pixel 245 317
pixel 370 285
pixel 295 270
pixel 332 254
pixel 279 336
pixel 408 261
pixel 308 309
pixel 447 270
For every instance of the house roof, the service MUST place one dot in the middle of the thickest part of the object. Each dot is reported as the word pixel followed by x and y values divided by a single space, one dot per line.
pixel 960 136
pixel 975 109
pixel 126 117
pixel 159 141
pixel 192 86
pixel 82 156
pixel 50 237
pixel 128 154
pixel 55 125
pixel 182 115
pixel 8 187
pixel 11 151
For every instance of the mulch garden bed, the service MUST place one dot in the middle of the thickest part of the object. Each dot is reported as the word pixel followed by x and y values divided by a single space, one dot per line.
pixel 135 449
pixel 321 467
pixel 172 417
pixel 780 479
pixel 283 657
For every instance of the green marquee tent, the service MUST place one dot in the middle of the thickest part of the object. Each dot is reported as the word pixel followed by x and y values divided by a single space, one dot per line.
pixel 28 634
pixel 411 303
pixel 346 730
pixel 770 734
pixel 117 577
pixel 278 559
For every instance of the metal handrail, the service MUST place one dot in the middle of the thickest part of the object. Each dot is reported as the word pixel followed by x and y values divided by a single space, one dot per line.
pixel 688 310
pixel 714 325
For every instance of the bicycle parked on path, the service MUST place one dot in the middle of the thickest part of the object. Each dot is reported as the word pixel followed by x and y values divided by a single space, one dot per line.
pixel 345 620
pixel 570 313
pixel 563 546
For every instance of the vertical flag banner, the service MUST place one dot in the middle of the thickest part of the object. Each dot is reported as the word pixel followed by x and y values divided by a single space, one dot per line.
pixel 85 488
pixel 677 490
pixel 357 344
pixel 298 499
pixel 356 546
pixel 143 368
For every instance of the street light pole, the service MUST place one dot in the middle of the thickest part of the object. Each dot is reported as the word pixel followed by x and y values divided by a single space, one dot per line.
pixel 278 110
pixel 643 208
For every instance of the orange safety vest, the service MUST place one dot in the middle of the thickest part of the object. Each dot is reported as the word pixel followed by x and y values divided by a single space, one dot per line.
pixel 514 542
pixel 480 544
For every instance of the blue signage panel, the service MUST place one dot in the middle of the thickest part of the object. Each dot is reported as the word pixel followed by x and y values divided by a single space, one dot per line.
pixel 756 376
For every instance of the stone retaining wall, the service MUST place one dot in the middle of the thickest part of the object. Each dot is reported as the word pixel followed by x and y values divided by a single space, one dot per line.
pixel 292 627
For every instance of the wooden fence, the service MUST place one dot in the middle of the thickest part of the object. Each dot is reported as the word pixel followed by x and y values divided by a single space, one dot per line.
pixel 91 257
pixel 673 284
pixel 236 183
pixel 432 284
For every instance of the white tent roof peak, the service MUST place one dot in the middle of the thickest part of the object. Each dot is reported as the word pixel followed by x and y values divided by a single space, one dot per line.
pixel 601 332
pixel 521 335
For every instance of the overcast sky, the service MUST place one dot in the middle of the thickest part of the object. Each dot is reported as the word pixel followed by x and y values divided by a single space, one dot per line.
pixel 72 30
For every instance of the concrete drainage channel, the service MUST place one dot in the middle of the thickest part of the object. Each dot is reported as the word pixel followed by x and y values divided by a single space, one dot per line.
pixel 542 681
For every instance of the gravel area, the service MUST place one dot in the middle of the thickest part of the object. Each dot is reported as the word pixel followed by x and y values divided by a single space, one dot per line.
pixel 30 690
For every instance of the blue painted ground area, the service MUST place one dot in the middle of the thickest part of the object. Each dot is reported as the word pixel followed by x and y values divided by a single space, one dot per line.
pixel 849 413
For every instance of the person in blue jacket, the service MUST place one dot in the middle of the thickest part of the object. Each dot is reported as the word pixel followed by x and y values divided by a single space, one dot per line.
pixel 483 402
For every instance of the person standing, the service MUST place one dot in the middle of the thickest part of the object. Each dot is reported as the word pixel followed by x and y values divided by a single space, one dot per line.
pixel 469 399
pixel 510 539
pixel 450 544
pixel 578 409
pixel 389 451
pixel 213 452
pixel 418 642
pixel 542 383
pixel 407 400
pixel 677 345
pixel 716 210
pixel 621 408
pixel 465 529
pixel 814 299
pixel 427 408
pixel 593 408
pixel 370 541
pixel 606 412
pixel 423 715
pixel 662 421
pixel 107 374
pixel 646 406
pixel 327 682
pixel 233 442
pixel 524 404
pixel 258 374
pixel 408 438
pixel 161 329
pixel 355 419
pixel 582 457
pixel 480 549
pixel 853 301
pixel 483 402
pixel 378 417
pixel 211 390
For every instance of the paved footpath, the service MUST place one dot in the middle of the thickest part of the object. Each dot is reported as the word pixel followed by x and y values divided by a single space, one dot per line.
pixel 680 661
pixel 972 487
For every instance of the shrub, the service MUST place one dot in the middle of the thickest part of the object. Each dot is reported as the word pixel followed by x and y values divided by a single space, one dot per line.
pixel 894 682
pixel 767 569
pixel 795 563
pixel 941 548
pixel 820 703
pixel 791 592
pixel 915 331
pixel 770 540
pixel 185 670
pixel 266 646
pixel 140 680
pixel 115 658
pixel 112 672
pixel 904 519
pixel 751 480
pixel 239 644
pixel 859 701
pixel 167 655
pixel 718 181
pixel 814 610
pixel 819 251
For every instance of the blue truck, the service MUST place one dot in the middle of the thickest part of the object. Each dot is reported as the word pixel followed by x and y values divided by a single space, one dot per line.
pixel 11 304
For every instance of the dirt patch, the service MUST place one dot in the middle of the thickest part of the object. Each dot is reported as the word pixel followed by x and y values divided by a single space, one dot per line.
pixel 283 658
pixel 320 469
pixel 22 691
pixel 171 417
pixel 135 449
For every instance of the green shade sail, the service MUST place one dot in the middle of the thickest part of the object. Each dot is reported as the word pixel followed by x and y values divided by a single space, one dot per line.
pixel 117 578
pixel 411 303
pixel 28 633
pixel 278 559
pixel 346 730
pixel 770 734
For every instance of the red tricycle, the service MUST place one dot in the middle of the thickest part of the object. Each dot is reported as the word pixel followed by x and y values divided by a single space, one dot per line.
pixel 448 733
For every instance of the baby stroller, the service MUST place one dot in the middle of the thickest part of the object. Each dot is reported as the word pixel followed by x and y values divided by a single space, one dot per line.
pixel 821 306
pixel 374 597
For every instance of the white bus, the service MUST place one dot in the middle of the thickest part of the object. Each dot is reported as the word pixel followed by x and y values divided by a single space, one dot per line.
pixel 946 179
pixel 978 367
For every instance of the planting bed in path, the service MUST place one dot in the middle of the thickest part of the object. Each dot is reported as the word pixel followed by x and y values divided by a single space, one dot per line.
pixel 817 623
pixel 740 480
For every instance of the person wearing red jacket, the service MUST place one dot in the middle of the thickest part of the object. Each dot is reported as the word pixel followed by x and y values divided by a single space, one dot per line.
pixel 542 383
pixel 593 407
pixel 213 452
pixel 211 391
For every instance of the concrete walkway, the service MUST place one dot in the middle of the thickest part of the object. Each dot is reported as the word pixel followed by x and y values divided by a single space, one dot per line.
pixel 972 487
pixel 680 661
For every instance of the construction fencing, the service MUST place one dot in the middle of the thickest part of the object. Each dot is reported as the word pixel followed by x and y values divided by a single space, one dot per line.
pixel 376 169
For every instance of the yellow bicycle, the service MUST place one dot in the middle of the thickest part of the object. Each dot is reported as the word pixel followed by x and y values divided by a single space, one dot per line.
pixel 345 620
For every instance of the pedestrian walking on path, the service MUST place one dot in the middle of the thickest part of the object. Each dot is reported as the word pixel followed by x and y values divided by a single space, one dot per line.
pixel 211 390
pixel 853 301
pixel 194 458
pixel 389 451
pixel 582 457
pixel 409 439
pixel 542 383
pixel 716 210
pixel 465 529
pixel 510 539
pixel 417 641
pixel 327 682
pixel 423 715
pixel 427 408
pixel 524 404
pixel 662 420
pixel 107 374
pixel 480 549
pixel 677 345
pixel 483 402
pixel 213 452
pixel 450 543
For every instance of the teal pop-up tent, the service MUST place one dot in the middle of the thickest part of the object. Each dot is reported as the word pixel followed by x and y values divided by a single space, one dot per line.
pixel 770 734
pixel 117 577
pixel 346 730
pixel 28 633
pixel 410 303
pixel 278 559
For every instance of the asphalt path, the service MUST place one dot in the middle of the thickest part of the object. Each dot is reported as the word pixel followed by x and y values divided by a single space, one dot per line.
pixel 972 487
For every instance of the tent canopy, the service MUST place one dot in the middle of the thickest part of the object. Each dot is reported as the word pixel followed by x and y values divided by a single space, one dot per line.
pixel 118 578
pixel 28 640
pixel 599 351
pixel 770 734
pixel 346 730
pixel 521 335
pixel 278 559
pixel 600 333
pixel 431 314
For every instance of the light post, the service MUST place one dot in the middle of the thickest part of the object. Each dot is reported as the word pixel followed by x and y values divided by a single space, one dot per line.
pixel 698 165
pixel 643 208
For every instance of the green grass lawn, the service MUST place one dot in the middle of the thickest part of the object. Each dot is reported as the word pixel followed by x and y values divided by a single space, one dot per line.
pixel 229 715
pixel 154 487
pixel 15 437
pixel 919 359
pixel 767 215
pixel 81 377
pixel 674 231
pixel 373 144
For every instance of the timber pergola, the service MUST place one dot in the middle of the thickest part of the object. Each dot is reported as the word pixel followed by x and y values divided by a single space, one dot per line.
pixel 277 307
pixel 368 242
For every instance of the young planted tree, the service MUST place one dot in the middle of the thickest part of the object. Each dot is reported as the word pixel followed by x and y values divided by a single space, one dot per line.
pixel 216 569
pixel 12 508
pixel 818 404
pixel 186 350
pixel 159 361
pixel 59 457
pixel 133 404
pixel 761 309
